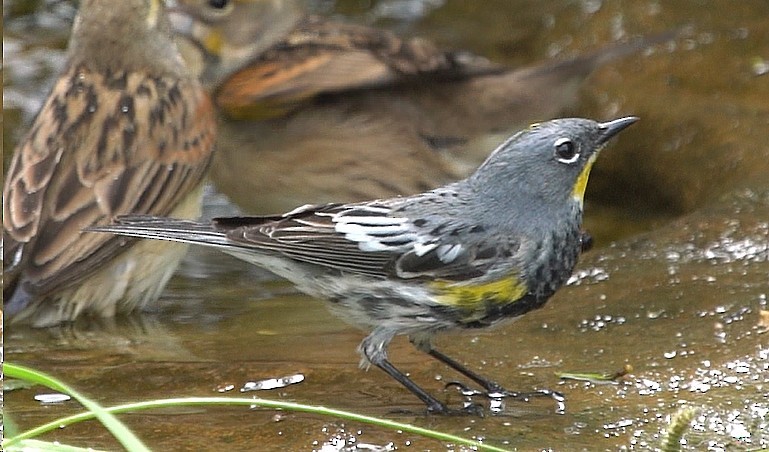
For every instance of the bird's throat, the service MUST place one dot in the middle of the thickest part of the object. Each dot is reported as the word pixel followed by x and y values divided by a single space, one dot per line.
pixel 578 193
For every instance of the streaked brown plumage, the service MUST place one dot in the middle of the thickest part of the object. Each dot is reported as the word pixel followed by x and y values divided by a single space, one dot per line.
pixel 125 129
pixel 265 58
pixel 314 110
pixel 322 57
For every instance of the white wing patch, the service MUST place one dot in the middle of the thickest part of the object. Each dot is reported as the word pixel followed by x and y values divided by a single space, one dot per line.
pixel 373 230
pixel 420 249
pixel 447 253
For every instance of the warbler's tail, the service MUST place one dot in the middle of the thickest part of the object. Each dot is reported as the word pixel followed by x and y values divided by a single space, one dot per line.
pixel 161 228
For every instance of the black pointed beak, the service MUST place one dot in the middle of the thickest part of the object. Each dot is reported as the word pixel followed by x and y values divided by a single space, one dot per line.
pixel 611 128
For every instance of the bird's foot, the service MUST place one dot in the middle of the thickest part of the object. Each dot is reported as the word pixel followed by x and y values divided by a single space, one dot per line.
pixel 497 393
pixel 468 409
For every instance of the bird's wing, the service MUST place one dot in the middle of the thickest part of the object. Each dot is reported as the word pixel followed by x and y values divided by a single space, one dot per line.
pixel 102 145
pixel 371 239
pixel 321 57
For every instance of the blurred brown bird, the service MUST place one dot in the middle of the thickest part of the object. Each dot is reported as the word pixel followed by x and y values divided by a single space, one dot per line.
pixel 313 110
pixel 126 128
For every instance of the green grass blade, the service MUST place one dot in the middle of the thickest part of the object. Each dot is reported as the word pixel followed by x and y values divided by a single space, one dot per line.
pixel 44 446
pixel 122 433
pixel 288 406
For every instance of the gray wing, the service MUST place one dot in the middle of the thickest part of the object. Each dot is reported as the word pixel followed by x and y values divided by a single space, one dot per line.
pixel 372 239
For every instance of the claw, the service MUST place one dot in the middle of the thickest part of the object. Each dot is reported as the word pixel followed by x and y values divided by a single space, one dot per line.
pixel 468 409
pixel 464 389
pixel 472 409
pixel 526 396
pixel 496 394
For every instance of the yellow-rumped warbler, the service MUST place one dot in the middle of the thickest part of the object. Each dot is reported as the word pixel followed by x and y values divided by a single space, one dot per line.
pixel 125 129
pixel 315 110
pixel 467 255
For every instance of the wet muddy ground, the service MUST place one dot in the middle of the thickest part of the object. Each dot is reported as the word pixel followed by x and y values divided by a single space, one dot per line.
pixel 675 286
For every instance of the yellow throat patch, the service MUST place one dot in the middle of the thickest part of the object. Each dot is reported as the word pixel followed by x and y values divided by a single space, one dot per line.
pixel 578 193
pixel 212 41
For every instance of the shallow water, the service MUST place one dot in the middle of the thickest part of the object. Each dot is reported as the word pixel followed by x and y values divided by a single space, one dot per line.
pixel 675 287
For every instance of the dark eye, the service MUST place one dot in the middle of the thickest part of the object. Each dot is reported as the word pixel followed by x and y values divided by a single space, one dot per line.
pixel 218 4
pixel 566 151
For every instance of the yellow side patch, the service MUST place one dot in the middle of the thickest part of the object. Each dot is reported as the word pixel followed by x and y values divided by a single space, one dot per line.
pixel 578 193
pixel 502 291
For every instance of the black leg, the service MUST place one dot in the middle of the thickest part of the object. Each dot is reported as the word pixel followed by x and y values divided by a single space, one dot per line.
pixel 433 405
pixel 374 349
pixel 486 384
pixel 493 389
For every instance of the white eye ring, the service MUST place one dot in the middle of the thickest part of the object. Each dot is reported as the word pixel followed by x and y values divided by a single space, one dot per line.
pixel 566 151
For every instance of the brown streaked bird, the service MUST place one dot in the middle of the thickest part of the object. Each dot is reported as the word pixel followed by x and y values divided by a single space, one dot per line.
pixel 265 58
pixel 126 129
pixel 314 110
